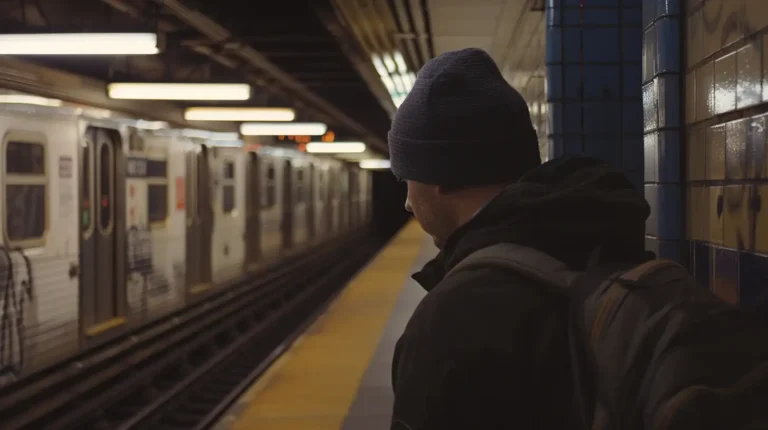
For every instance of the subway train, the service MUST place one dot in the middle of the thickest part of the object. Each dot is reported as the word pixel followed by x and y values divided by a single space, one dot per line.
pixel 110 223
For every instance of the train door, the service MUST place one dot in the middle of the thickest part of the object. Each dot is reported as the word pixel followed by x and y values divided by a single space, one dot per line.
pixel 101 230
pixel 342 177
pixel 287 202
pixel 252 209
pixel 310 204
pixel 354 198
pixel 326 194
pixel 199 219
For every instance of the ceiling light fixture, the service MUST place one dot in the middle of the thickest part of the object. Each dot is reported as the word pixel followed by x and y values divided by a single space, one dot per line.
pixel 375 164
pixel 283 129
pixel 79 44
pixel 395 75
pixel 335 147
pixel 25 99
pixel 177 91
pixel 240 114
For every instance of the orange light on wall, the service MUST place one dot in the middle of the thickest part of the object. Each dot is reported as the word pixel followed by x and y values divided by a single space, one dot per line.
pixel 328 137
pixel 302 147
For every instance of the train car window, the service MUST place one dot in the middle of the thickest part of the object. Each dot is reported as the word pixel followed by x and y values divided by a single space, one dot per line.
pixel 25 193
pixel 105 186
pixel 228 198
pixel 320 186
pixel 330 185
pixel 157 191
pixel 86 216
pixel 269 196
pixel 228 188
pixel 299 188
pixel 157 202
pixel 343 183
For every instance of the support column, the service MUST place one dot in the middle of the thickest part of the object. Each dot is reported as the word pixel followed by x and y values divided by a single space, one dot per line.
pixel 594 99
pixel 662 111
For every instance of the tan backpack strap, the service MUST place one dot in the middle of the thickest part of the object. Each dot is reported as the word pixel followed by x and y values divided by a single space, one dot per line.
pixel 615 292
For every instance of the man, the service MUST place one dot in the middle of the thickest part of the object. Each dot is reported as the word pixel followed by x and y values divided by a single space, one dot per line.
pixel 487 348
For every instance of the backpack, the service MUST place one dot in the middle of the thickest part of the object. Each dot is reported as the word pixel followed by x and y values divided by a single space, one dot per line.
pixel 650 348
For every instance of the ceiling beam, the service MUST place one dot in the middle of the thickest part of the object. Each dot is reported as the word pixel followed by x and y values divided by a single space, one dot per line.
pixel 355 53
pixel 217 33
pixel 269 75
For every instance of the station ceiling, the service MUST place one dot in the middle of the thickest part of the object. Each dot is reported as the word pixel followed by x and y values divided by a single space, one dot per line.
pixel 313 55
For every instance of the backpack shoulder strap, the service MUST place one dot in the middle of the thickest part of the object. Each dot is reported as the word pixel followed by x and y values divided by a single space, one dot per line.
pixel 526 261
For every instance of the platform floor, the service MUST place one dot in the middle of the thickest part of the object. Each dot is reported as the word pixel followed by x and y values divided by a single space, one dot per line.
pixel 337 375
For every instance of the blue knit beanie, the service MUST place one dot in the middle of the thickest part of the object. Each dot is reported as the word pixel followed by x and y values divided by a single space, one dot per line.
pixel 462 124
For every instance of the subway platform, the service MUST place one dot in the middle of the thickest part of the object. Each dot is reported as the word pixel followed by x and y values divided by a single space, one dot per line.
pixel 337 375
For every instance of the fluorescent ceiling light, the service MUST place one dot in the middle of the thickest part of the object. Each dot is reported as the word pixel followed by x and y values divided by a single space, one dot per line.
pixel 389 83
pixel 25 99
pixel 79 44
pixel 407 81
pixel 382 71
pixel 412 78
pixel 400 61
pixel 239 114
pixel 390 63
pixel 399 84
pixel 335 147
pixel 375 164
pixel 283 129
pixel 178 91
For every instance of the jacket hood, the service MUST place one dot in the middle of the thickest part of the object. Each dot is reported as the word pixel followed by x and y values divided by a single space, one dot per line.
pixel 566 208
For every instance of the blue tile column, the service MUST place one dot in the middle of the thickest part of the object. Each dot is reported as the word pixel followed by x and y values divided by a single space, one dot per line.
pixel 594 67
pixel 662 118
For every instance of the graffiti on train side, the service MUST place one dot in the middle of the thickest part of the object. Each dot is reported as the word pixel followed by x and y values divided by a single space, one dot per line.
pixel 16 290
pixel 145 281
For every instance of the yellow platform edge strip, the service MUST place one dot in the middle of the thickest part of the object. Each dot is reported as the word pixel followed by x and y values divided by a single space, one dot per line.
pixel 313 385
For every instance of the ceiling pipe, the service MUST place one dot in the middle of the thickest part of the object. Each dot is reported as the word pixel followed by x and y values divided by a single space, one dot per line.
pixel 356 53
pixel 217 34
pixel 420 29
pixel 406 37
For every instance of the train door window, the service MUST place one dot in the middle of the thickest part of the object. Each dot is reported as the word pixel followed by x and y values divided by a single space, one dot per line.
pixel 299 189
pixel 157 191
pixel 331 184
pixel 320 185
pixel 228 188
pixel 86 211
pixel 269 197
pixel 25 191
pixel 106 186
pixel 344 183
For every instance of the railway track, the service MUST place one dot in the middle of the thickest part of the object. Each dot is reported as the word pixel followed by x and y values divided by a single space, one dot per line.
pixel 186 375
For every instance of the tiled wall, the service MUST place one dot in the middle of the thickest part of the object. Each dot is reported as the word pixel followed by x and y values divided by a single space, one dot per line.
pixel 593 58
pixel 726 115
pixel 662 111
